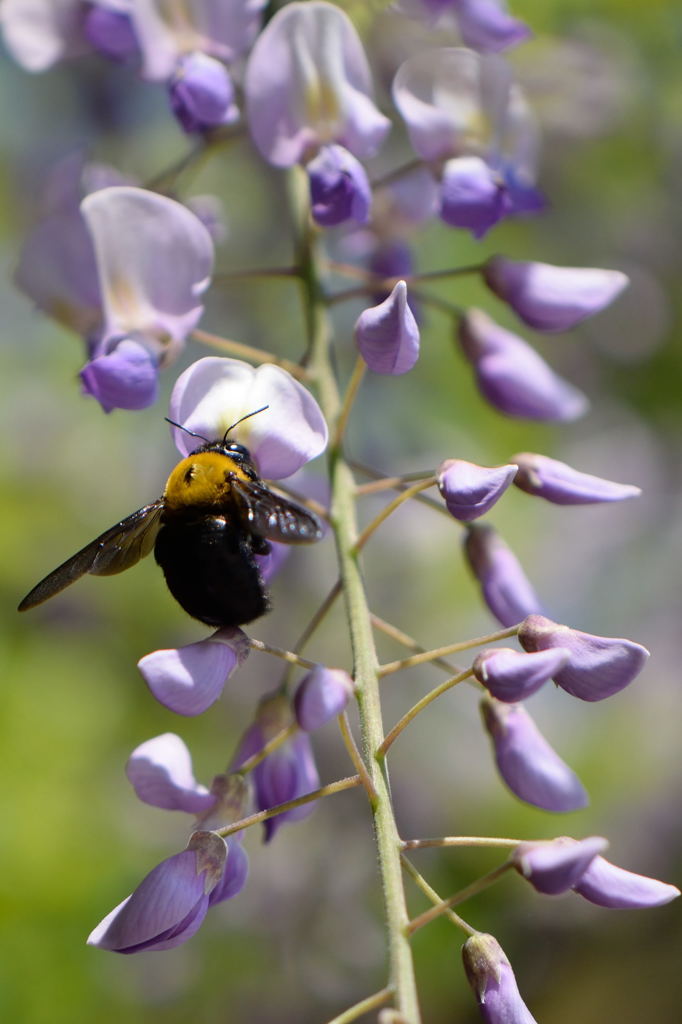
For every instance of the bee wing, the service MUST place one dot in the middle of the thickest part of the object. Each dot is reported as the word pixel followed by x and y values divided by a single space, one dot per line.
pixel 115 550
pixel 272 516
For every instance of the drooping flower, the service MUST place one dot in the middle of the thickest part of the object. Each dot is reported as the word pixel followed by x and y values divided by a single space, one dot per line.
pixel 154 260
pixel 287 772
pixel 469 120
pixel 387 335
pixel 485 25
pixel 512 676
pixel 213 393
pixel 512 376
pixel 527 763
pixel 561 484
pixel 189 679
pixel 558 865
pixel 322 694
pixel 598 667
pixel 551 298
pixel 160 772
pixel 504 585
pixel 471 490
pixel 492 979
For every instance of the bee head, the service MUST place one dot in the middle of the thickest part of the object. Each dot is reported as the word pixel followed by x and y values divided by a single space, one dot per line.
pixel 236 451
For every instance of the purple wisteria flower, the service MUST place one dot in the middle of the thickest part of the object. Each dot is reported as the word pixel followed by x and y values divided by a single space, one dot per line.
pixel 109 29
pixel 527 763
pixel 609 886
pixel 339 187
pixel 387 335
pixel 322 694
pixel 558 865
pixel 189 679
pixel 492 979
pixel 160 772
pixel 504 585
pixel 484 25
pixel 154 260
pixel 201 93
pixel 39 33
pixel 561 484
pixel 469 120
pixel 512 676
pixel 471 490
pixel 285 774
pixel 512 376
pixel 214 392
pixel 551 298
pixel 598 667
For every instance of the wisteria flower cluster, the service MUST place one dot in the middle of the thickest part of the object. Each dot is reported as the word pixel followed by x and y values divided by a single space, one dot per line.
pixel 131 269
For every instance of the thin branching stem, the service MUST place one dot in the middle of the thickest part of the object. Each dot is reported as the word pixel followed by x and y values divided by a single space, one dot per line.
pixel 389 509
pixel 280 652
pixel 442 652
pixel 356 757
pixel 431 894
pixel 417 708
pixel 348 399
pixel 388 629
pixel 248 352
pixel 392 483
pixel 274 744
pixel 422 844
pixel 364 1006
pixel 317 794
pixel 460 897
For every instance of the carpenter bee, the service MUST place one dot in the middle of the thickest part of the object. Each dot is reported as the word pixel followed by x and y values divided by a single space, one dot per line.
pixel 214 517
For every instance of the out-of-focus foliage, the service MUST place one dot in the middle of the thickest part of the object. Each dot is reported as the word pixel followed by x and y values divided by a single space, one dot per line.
pixel 303 941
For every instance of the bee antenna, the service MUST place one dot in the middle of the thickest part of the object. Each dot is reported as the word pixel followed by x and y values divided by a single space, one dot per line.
pixel 191 433
pixel 247 417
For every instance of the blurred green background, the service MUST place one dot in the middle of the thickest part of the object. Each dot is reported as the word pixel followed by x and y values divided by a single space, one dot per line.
pixel 304 939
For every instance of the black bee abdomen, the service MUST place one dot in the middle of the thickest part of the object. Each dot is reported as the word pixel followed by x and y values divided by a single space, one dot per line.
pixel 210 569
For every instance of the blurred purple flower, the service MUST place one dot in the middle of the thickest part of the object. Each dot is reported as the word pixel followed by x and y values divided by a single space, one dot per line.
pixel 561 484
pixel 470 490
pixel 512 376
pixel 308 84
pixel 505 587
pixel 484 25
pixel 387 335
pixel 201 93
pixel 108 28
pixel 492 979
pixel 558 865
pixel 550 298
pixel 39 33
pixel 189 679
pixel 322 694
pixel 471 195
pixel 512 676
pixel 213 393
pixel 598 667
pixel 339 187
pixel 530 767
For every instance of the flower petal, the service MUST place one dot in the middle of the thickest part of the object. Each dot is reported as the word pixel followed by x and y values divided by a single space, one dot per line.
pixel 201 93
pixel 558 865
pixel 471 195
pixel 492 979
pixel 322 694
pixel 609 886
pixel 504 585
pixel 470 490
pixel 38 33
pixel 561 484
pixel 387 335
pixel 511 676
pixel 339 187
pixel 160 771
pixel 126 377
pixel 189 679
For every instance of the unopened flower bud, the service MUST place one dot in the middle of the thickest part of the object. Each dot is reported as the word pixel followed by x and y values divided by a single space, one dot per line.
pixel 558 865
pixel 111 33
pixel 504 585
pixel 124 377
pixel 492 979
pixel 609 886
pixel 598 667
pixel 387 335
pixel 339 187
pixel 511 675
pixel 527 763
pixel 561 484
pixel 471 196
pixel 201 93
pixel 551 298
pixel 470 490
pixel 321 695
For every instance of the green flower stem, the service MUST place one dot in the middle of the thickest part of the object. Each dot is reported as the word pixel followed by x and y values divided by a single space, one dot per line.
pixel 248 352
pixel 420 844
pixel 316 794
pixel 399 500
pixel 282 736
pixel 356 757
pixel 460 897
pixel 351 391
pixel 437 900
pixel 279 652
pixel 365 661
pixel 441 652
pixel 364 1006
pixel 388 629
pixel 392 483
pixel 418 707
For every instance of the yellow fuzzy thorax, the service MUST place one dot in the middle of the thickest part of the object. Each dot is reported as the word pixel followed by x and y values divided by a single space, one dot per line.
pixel 203 479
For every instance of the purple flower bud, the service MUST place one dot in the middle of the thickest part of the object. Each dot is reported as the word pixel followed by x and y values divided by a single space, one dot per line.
pixel 511 676
pixel 111 33
pixel 189 679
pixel 201 93
pixel 387 335
pixel 470 490
pixel 124 377
pixel 504 585
pixel 170 904
pixel 551 298
pixel 558 865
pixel 561 484
pixel 471 196
pixel 530 767
pixel 599 666
pixel 512 376
pixel 487 26
pixel 339 187
pixel 609 886
pixel 160 771
pixel 285 774
pixel 321 695
pixel 491 977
